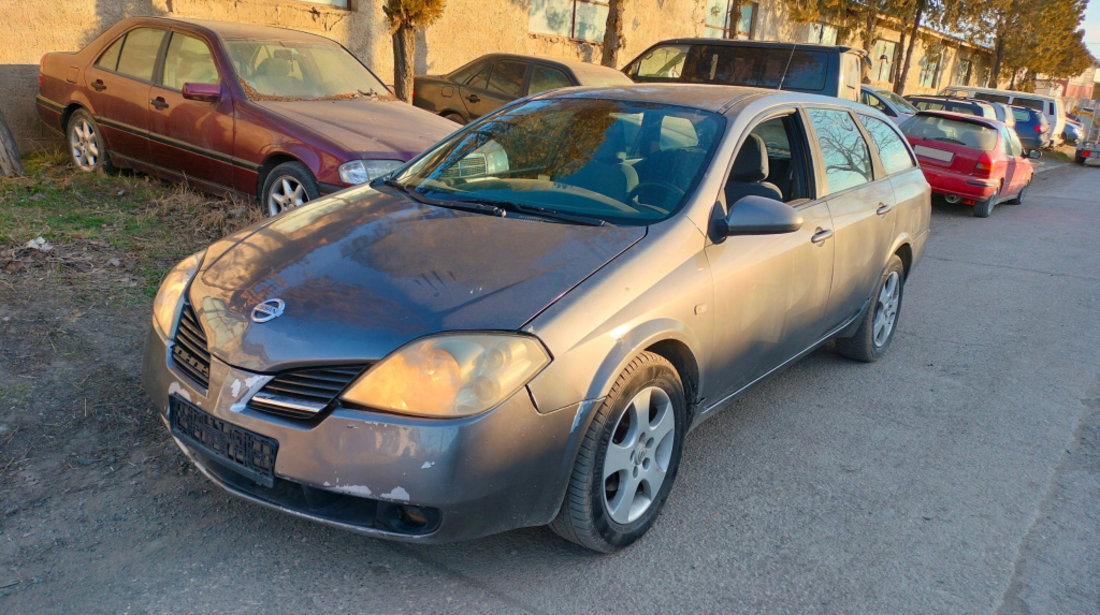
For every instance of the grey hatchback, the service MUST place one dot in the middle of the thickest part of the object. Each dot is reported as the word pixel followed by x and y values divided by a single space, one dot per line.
pixel 520 326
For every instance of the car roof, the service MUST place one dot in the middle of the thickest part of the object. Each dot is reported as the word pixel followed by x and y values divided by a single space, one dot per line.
pixel 724 99
pixel 229 30
pixel 580 68
pixel 763 44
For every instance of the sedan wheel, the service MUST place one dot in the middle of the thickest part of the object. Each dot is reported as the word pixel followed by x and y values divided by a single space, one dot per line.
pixel 86 146
pixel 878 324
pixel 628 459
pixel 288 186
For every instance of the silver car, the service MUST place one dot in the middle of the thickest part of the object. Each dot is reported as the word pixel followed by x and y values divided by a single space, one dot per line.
pixel 520 326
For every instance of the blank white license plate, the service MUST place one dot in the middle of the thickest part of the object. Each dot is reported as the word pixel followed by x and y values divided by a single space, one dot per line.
pixel 933 153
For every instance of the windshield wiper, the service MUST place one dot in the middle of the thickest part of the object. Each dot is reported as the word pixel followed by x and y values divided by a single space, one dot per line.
pixel 419 197
pixel 542 212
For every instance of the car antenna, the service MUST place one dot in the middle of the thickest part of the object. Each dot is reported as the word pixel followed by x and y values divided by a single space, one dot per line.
pixel 786 68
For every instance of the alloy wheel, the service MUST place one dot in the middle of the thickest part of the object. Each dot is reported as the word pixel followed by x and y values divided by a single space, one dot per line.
pixel 286 193
pixel 638 455
pixel 886 308
pixel 84 144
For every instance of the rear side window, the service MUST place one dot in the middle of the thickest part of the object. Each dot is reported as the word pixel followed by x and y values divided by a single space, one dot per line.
pixel 947 130
pixel 757 67
pixel 991 97
pixel 546 78
pixel 1030 103
pixel 139 53
pixel 891 149
pixel 843 150
pixel 109 59
pixel 507 78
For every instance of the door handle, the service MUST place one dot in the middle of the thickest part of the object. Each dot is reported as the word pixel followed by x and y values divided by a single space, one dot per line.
pixel 98 85
pixel 821 235
pixel 159 102
pixel 473 98
pixel 884 209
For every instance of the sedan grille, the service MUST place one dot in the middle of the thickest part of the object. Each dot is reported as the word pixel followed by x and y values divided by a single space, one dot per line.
pixel 302 394
pixel 189 352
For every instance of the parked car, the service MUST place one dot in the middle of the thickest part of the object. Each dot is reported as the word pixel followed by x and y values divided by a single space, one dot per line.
pixel 492 80
pixel 521 325
pixel 1073 132
pixel 830 70
pixel 1003 113
pixel 890 104
pixel 941 103
pixel 273 113
pixel 970 160
pixel 1032 129
pixel 1052 107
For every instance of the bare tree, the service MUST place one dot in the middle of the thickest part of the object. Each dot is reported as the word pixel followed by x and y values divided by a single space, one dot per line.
pixel 9 153
pixel 406 17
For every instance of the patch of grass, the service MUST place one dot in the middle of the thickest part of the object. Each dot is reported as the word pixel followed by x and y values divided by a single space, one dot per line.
pixel 123 232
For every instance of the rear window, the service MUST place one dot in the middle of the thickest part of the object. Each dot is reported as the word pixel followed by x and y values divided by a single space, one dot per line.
pixel 735 65
pixel 947 130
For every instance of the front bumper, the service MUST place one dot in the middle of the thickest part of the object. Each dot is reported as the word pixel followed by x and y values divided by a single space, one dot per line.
pixel 358 470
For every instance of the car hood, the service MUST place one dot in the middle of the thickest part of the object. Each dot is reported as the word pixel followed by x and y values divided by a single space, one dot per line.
pixel 363 272
pixel 387 129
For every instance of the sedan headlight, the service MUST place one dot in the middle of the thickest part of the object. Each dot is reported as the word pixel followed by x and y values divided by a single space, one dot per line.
pixel 362 171
pixel 167 304
pixel 450 375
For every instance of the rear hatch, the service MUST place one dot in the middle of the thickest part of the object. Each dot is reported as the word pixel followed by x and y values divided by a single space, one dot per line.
pixel 949 143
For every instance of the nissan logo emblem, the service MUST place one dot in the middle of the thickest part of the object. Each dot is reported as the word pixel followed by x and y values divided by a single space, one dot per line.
pixel 268 310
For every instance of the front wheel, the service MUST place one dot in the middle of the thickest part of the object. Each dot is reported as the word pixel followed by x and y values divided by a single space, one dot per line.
pixel 876 330
pixel 87 148
pixel 287 186
pixel 628 459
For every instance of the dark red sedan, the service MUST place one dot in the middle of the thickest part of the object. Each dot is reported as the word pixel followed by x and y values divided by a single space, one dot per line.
pixel 973 160
pixel 278 114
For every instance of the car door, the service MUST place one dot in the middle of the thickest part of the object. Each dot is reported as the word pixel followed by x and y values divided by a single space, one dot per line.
pixel 1013 152
pixel 861 208
pixel 496 84
pixel 191 139
pixel 771 291
pixel 119 82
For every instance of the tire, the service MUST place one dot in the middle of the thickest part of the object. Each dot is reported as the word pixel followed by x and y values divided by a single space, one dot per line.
pixel 636 437
pixel 287 186
pixel 1019 198
pixel 455 117
pixel 87 149
pixel 983 209
pixel 1079 159
pixel 876 330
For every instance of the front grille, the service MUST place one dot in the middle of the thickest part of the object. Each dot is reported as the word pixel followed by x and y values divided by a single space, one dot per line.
pixel 189 352
pixel 302 394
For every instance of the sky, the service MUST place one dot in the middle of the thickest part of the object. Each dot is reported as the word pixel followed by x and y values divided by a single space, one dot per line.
pixel 1092 27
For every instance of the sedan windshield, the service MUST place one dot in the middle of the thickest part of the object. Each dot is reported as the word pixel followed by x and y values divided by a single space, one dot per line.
pixel 899 103
pixel 573 159
pixel 275 70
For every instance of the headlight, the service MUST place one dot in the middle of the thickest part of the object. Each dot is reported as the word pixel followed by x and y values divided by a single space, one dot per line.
pixel 362 171
pixel 167 304
pixel 450 375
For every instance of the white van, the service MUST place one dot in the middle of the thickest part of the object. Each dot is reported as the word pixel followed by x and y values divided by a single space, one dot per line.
pixel 1052 107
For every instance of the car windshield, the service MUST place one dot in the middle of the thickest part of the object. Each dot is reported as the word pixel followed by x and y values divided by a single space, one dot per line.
pixel 277 70
pixel 948 130
pixel 899 103
pixel 574 159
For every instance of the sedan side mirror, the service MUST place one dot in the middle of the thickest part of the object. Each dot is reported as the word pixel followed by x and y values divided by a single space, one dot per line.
pixel 1034 153
pixel 202 92
pixel 756 215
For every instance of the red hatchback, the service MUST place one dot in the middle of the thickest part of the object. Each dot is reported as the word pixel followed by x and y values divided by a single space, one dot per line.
pixel 974 160
pixel 268 112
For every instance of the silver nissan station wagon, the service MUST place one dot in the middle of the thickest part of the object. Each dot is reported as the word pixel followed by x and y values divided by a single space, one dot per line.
pixel 520 326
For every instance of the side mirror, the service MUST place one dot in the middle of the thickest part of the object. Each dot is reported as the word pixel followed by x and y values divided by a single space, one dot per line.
pixel 756 215
pixel 202 92
pixel 1034 153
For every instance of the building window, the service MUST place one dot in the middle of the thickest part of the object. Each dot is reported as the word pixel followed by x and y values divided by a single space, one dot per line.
pixel 962 72
pixel 582 20
pixel 821 33
pixel 340 4
pixel 882 60
pixel 719 21
pixel 929 70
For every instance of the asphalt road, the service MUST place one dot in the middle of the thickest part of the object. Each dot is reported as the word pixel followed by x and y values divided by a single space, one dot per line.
pixel 960 474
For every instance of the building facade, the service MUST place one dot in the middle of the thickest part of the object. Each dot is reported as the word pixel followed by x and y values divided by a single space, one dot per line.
pixel 467 29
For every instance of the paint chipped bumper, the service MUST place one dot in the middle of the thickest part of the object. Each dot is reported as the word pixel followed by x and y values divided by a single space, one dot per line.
pixel 369 472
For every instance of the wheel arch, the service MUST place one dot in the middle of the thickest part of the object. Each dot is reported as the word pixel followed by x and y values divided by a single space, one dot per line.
pixel 269 163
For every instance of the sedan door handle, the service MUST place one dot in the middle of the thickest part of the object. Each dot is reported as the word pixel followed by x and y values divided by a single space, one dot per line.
pixel 159 102
pixel 473 98
pixel 821 235
pixel 98 85
pixel 884 209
